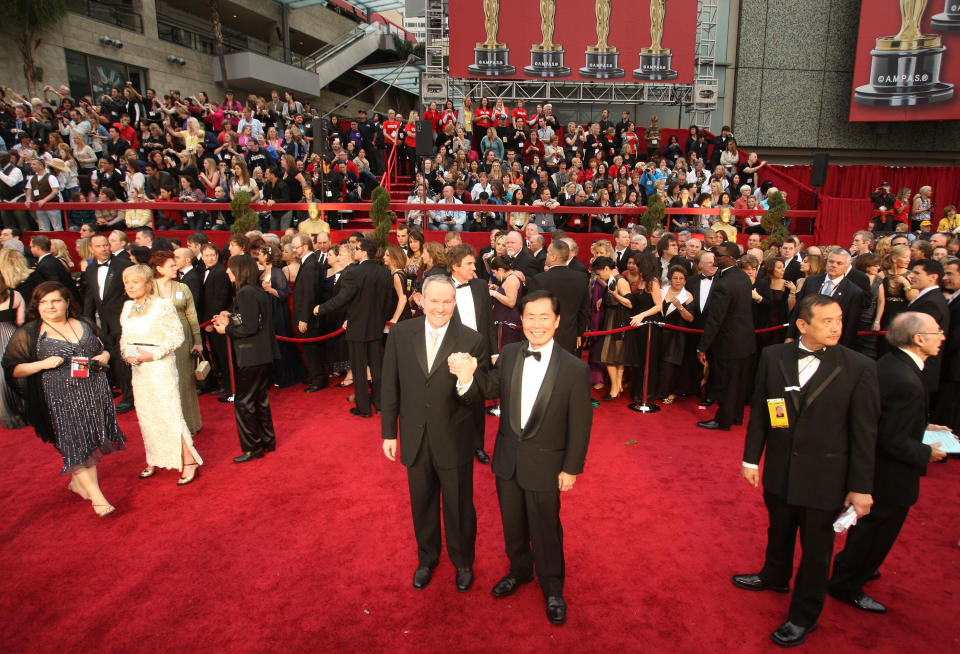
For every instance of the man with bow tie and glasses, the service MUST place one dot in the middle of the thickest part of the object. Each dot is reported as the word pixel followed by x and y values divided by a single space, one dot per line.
pixel 545 418
pixel 814 412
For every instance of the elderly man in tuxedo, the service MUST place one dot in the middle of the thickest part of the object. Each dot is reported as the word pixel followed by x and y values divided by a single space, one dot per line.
pixel 901 456
pixel 572 290
pixel 545 419
pixel 474 310
pixel 814 413
pixel 104 301
pixel 436 427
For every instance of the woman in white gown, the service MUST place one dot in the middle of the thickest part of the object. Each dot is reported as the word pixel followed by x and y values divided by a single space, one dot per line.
pixel 151 332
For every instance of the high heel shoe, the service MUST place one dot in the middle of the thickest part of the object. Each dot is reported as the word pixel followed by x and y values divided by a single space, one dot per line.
pixel 103 510
pixel 183 481
pixel 610 398
pixel 148 472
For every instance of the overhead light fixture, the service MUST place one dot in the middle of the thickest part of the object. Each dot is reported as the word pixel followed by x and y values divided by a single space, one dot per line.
pixel 174 59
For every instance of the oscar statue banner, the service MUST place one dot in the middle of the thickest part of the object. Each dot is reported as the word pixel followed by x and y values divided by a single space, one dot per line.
pixel 574 40
pixel 908 61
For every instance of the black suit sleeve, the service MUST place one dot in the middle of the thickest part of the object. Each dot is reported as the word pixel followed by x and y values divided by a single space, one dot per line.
pixel 862 418
pixel 349 286
pixel 579 418
pixel 583 313
pixel 757 427
pixel 893 432
pixel 719 305
pixel 390 388
pixel 249 310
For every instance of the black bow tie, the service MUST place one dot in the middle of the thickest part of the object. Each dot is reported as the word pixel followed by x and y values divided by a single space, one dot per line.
pixel 803 354
pixel 105 264
pixel 459 285
pixel 530 353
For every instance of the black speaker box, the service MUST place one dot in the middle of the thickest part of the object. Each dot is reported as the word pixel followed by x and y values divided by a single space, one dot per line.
pixel 818 175
pixel 424 138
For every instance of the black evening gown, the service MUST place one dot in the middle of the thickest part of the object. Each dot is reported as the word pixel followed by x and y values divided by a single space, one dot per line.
pixel 288 370
pixel 11 404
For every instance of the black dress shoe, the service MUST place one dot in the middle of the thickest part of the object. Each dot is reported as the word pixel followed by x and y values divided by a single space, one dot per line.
pixel 421 577
pixel 789 634
pixel 219 390
pixel 248 456
pixel 712 424
pixel 754 582
pixel 313 388
pixel 226 399
pixel 707 401
pixel 464 579
pixel 509 585
pixel 357 412
pixel 738 421
pixel 124 407
pixel 556 609
pixel 270 448
pixel 874 575
pixel 483 457
pixel 861 601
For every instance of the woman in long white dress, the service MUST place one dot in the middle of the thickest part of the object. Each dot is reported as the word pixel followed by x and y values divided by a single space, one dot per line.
pixel 151 333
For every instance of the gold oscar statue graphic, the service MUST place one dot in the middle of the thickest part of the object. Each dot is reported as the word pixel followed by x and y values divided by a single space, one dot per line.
pixel 546 57
pixel 603 60
pixel 656 61
pixel 949 18
pixel 491 58
pixel 905 69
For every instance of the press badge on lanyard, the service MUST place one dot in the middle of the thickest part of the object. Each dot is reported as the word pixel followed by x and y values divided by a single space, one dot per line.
pixel 778 412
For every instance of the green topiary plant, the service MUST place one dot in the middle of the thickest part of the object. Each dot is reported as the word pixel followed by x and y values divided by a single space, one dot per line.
pixel 380 202
pixel 774 220
pixel 654 215
pixel 244 218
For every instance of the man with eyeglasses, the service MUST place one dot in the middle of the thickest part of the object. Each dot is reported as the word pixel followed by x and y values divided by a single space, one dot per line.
pixel 902 457
pixel 925 276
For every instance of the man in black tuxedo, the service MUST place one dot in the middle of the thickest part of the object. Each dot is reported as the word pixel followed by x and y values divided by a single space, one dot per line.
pixel 621 248
pixel 104 299
pixel 572 290
pixel 901 456
pixel 814 411
pixel 474 310
pixel 946 407
pixel 790 250
pixel 189 274
pixel 436 428
pixel 925 276
pixel 841 288
pixel 573 259
pixel 215 297
pixel 523 261
pixel 48 269
pixel 367 291
pixel 545 418
pixel 308 292
pixel 728 336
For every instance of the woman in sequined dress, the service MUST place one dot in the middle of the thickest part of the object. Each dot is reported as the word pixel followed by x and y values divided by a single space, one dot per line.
pixel 67 402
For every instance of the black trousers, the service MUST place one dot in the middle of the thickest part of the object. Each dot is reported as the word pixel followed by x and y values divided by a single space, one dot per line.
pixel 219 353
pixel 532 534
pixel 120 373
pixel 251 407
pixel 816 543
pixel 730 389
pixel 480 424
pixel 868 543
pixel 363 354
pixel 314 358
pixel 428 483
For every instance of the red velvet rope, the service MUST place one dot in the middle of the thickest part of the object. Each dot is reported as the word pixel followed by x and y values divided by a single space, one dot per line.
pixel 315 339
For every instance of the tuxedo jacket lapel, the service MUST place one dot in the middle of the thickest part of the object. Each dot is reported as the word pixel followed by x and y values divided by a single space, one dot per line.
pixel 420 346
pixel 828 370
pixel 446 346
pixel 543 393
pixel 791 375
pixel 516 379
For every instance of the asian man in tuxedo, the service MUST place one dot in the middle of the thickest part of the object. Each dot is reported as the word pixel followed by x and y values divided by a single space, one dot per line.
pixel 814 418
pixel 545 418
pixel 435 428
pixel 474 310
pixel 572 290
pixel 104 299
pixel 902 456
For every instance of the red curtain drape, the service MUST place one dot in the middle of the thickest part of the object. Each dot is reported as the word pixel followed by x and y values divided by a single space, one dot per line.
pixel 860 181
pixel 839 218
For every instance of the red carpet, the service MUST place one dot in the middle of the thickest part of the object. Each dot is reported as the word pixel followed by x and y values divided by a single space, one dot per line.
pixel 312 549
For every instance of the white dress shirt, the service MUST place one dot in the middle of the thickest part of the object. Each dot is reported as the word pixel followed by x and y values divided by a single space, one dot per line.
pixel 532 379
pixel 102 272
pixel 465 307
pixel 704 293
pixel 917 360
pixel 922 293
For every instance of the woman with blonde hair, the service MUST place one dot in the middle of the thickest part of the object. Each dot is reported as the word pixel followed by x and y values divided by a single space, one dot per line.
pixel 13 267
pixel 192 136
pixel 82 247
pixel 151 334
pixel 396 261
pixel 59 249
pixel 920 207
pixel 897 290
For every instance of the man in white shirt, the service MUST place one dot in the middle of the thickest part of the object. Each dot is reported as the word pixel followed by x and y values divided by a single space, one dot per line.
pixel 256 127
pixel 449 220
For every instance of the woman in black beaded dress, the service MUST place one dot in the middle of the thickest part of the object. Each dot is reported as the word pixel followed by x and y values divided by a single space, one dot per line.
pixel 68 402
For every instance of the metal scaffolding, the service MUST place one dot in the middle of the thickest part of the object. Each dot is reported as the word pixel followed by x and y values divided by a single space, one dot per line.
pixel 437 44
pixel 600 92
